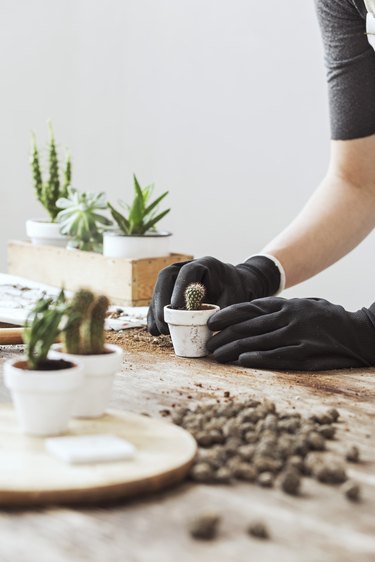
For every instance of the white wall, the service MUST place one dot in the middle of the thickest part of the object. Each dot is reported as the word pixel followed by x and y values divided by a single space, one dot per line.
pixel 222 102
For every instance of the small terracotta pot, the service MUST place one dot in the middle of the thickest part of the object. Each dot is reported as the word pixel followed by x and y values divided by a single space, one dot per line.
pixel 43 400
pixel 189 330
pixel 98 374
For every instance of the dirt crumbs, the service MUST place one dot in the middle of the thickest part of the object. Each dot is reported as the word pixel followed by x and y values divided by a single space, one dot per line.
pixel 138 339
pixel 251 441
pixel 205 526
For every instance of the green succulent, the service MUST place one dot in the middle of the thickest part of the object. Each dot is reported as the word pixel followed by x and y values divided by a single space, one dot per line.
pixel 43 326
pixel 49 190
pixel 141 216
pixel 80 219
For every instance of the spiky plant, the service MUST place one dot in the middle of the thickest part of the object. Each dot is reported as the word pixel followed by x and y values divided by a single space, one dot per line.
pixel 141 216
pixel 81 219
pixel 43 326
pixel 194 295
pixel 84 334
pixel 50 189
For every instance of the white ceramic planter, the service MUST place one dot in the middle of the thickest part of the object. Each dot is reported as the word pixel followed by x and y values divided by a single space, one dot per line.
pixel 189 330
pixel 45 233
pixel 98 370
pixel 43 400
pixel 152 245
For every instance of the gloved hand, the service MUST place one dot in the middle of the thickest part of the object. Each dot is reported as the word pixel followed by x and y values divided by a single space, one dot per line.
pixel 225 284
pixel 295 334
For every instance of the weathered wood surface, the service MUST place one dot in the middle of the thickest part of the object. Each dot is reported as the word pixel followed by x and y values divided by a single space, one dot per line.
pixel 321 525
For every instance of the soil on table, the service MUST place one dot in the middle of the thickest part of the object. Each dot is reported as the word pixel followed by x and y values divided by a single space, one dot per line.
pixel 138 339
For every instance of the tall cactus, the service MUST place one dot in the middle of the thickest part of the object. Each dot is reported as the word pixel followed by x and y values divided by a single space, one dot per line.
pixel 194 295
pixel 92 328
pixel 78 310
pixel 49 191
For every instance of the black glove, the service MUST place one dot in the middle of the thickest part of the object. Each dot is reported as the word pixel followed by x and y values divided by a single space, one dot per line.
pixel 225 284
pixel 295 334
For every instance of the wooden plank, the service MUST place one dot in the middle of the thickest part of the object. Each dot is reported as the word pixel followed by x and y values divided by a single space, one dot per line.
pixel 126 282
pixel 321 524
pixel 11 336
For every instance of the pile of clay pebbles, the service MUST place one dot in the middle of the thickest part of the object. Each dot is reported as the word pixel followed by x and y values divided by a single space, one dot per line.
pixel 251 441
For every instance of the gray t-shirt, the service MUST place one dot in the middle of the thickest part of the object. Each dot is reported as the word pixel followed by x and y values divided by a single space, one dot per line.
pixel 350 63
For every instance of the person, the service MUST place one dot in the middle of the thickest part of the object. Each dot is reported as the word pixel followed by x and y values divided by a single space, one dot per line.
pixel 254 326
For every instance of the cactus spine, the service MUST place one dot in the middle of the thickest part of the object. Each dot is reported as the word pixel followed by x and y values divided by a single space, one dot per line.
pixel 84 334
pixel 194 295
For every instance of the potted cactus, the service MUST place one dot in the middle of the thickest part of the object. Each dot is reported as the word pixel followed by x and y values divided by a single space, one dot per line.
pixel 81 219
pixel 136 236
pixel 83 341
pixel 43 389
pixel 188 325
pixel 48 190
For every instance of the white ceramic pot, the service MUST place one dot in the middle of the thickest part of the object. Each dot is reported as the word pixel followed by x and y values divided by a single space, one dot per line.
pixel 43 400
pixel 98 370
pixel 189 330
pixel 45 233
pixel 151 245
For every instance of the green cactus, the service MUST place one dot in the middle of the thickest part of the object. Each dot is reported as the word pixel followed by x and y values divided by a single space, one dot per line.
pixel 194 295
pixel 84 333
pixel 78 310
pixel 48 192
pixel 92 328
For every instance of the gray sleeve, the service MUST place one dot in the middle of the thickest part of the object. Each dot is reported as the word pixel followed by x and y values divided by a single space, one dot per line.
pixel 350 64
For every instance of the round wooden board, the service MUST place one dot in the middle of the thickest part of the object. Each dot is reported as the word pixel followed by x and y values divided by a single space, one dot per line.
pixel 29 475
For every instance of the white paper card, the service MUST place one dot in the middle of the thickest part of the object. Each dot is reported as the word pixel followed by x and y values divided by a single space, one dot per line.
pixel 370 29
pixel 90 448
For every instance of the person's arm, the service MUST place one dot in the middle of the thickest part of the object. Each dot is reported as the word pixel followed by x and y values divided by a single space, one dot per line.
pixel 338 216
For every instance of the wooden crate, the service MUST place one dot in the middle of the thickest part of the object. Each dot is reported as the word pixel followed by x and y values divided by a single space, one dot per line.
pixel 124 281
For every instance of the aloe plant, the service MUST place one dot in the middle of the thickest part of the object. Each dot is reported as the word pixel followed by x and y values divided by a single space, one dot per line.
pixel 81 219
pixel 141 216
pixel 43 326
pixel 84 333
pixel 194 295
pixel 49 190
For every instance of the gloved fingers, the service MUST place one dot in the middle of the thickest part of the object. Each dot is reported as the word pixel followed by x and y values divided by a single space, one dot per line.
pixel 162 296
pixel 233 350
pixel 191 272
pixel 237 313
pixel 151 323
pixel 249 328
pixel 286 358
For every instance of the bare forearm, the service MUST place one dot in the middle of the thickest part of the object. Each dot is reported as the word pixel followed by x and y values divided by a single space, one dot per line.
pixel 337 218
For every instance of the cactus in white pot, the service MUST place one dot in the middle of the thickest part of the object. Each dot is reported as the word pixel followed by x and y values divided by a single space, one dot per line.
pixel 83 341
pixel 188 325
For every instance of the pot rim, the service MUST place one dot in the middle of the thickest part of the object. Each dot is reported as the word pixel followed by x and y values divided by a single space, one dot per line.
pixel 180 317
pixel 119 234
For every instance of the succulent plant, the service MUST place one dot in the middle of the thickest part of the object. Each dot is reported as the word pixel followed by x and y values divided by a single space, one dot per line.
pixel 84 333
pixel 49 190
pixel 81 219
pixel 43 326
pixel 141 215
pixel 194 295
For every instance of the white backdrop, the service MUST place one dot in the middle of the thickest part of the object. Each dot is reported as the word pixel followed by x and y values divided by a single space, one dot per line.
pixel 221 102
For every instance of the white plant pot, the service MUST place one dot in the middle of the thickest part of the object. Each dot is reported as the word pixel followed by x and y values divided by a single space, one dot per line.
pixel 98 371
pixel 45 233
pixel 189 330
pixel 152 245
pixel 43 400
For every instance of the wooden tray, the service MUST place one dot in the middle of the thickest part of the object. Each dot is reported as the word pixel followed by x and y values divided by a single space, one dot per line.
pixel 29 475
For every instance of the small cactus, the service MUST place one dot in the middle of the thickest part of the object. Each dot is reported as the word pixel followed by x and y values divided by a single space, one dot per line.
pixel 84 334
pixel 194 295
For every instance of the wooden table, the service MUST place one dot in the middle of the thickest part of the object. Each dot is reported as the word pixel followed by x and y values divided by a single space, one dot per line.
pixel 321 525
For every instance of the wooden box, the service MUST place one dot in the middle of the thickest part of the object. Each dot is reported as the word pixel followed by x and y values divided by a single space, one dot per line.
pixel 126 282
